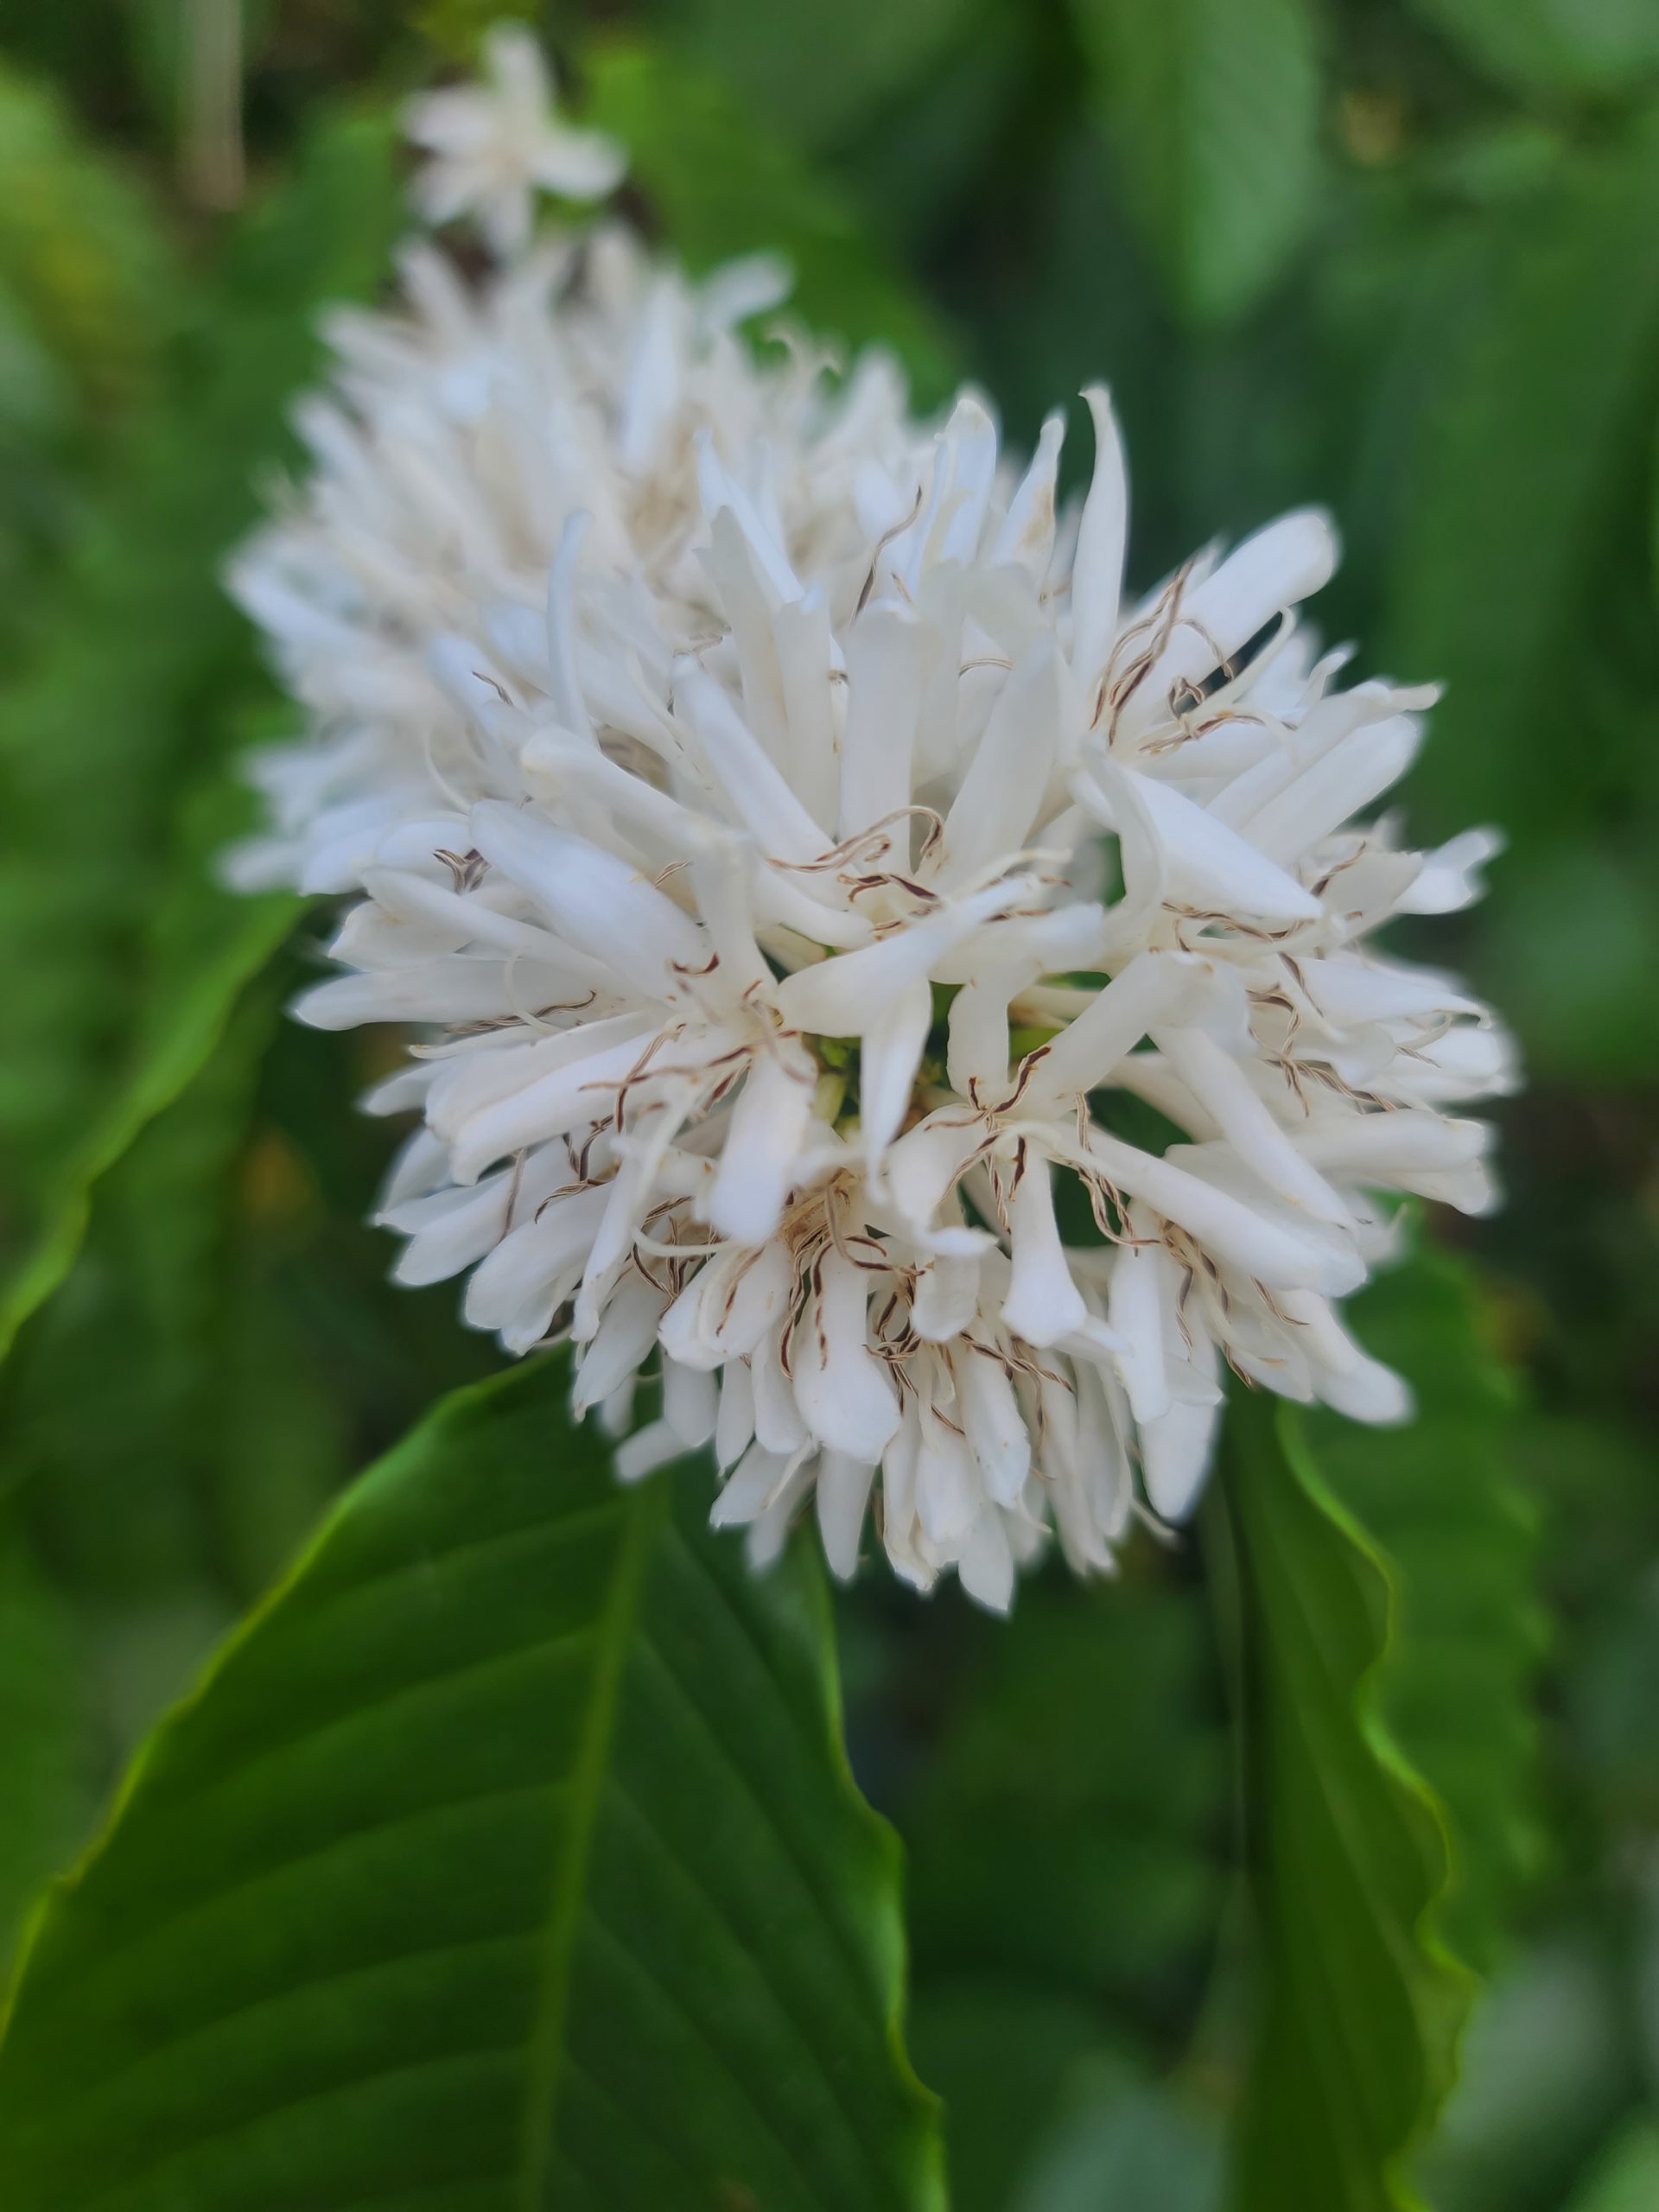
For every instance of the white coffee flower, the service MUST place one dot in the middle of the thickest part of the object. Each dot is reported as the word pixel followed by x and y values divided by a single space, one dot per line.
pixel 494 146
pixel 812 876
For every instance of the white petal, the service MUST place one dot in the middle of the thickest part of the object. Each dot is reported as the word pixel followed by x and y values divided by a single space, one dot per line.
pixel 1003 788
pixel 1139 1302
pixel 758 1161
pixel 1154 986
pixel 449 1229
pixel 890 656
pixel 1027 535
pixel 996 1430
pixel 1217 1081
pixel 1175 1449
pixel 593 898
pixel 627 1332
pixel 843 1389
pixel 735 1422
pixel 689 1403
pixel 746 1492
pixel 1043 1304
pixel 944 1299
pixel 844 996
pixel 1289 560
pixel 985 1569
pixel 843 1493
pixel 1209 866
pixel 778 1423
pixel 1236 1233
pixel 1097 569
pixel 892 1053
pixel 649 1448
pixel 1451 874
pixel 949 1494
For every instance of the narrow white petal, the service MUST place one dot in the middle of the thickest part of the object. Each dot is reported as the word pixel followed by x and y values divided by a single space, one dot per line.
pixel 945 1298
pixel 735 1422
pixel 1043 1304
pixel 843 1389
pixel 592 898
pixel 1210 867
pixel 1139 1306
pixel 892 1053
pixel 844 1494
pixel 890 656
pixel 649 1448
pixel 758 1164
pixel 689 1402
pixel 1097 569
pixel 1217 1081
pixel 1001 793
pixel 1154 986
pixel 844 996
pixel 996 1430
pixel 985 1569
pixel 1027 535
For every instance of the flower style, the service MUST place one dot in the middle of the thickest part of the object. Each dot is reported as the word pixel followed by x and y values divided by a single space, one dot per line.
pixel 494 146
pixel 868 963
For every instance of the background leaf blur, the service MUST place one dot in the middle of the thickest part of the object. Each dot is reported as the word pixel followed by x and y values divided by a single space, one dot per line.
pixel 1395 256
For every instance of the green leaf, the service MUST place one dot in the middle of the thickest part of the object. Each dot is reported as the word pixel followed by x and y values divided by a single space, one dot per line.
pixel 1362 2004
pixel 187 1029
pixel 507 1857
pixel 140 677
pixel 1548 2073
pixel 79 249
pixel 1078 1857
pixel 1553 47
pixel 1213 108
pixel 1067 1838
pixel 1000 2052
pixel 723 184
pixel 1626 2178
pixel 1520 578
pixel 45 1766
pixel 1129 2140
pixel 819 66
pixel 1443 1502
pixel 1507 553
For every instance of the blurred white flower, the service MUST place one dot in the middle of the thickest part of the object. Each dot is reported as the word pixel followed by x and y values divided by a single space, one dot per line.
pixel 495 145
pixel 870 968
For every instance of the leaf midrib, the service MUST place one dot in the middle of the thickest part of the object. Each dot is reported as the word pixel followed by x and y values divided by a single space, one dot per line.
pixel 545 2066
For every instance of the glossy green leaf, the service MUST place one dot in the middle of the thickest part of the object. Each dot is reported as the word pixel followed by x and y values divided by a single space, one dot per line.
pixel 508 1857
pixel 723 182
pixel 1213 108
pixel 1362 2004
pixel 1444 1501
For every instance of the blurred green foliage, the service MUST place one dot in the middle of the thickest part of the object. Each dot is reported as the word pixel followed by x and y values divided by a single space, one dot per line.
pixel 1400 257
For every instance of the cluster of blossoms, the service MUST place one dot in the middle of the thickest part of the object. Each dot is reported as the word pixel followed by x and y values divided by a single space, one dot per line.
pixel 811 875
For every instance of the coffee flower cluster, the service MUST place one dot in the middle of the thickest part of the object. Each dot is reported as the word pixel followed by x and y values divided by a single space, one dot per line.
pixel 869 967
